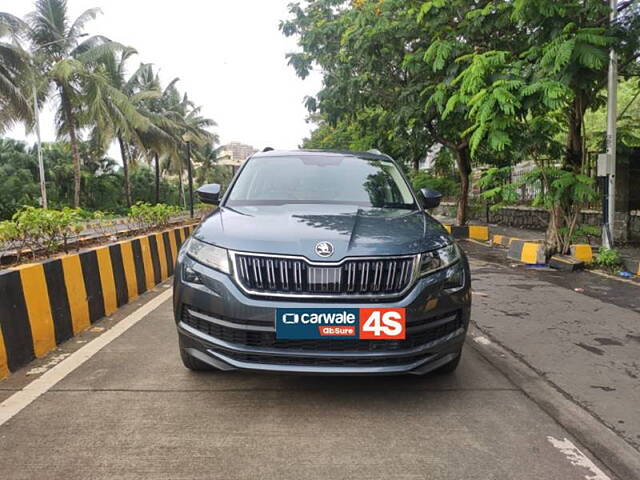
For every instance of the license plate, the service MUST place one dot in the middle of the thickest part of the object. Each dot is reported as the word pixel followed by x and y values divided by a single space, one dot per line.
pixel 341 323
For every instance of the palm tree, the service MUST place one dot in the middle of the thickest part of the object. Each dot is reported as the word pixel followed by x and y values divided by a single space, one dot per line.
pixel 174 115
pixel 67 64
pixel 14 67
pixel 134 128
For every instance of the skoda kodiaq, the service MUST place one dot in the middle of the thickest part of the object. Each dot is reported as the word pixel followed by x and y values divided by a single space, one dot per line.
pixel 321 263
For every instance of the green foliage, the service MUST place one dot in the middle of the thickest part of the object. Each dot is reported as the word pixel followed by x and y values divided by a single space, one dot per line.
pixel 608 259
pixel 561 192
pixel 448 187
pixel 497 188
pixel 101 186
pixel 145 215
pixel 38 229
pixel 87 80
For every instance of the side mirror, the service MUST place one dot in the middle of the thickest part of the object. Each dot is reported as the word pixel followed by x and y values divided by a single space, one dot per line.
pixel 430 198
pixel 209 193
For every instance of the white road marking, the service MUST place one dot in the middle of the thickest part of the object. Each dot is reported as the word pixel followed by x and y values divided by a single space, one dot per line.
pixel 482 340
pixel 21 399
pixel 579 459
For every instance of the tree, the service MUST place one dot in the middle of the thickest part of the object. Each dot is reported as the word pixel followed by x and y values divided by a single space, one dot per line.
pixel 67 63
pixel 14 68
pixel 388 67
pixel 532 97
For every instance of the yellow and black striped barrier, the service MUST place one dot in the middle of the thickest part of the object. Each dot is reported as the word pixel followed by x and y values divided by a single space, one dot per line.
pixel 527 252
pixel 503 240
pixel 475 232
pixel 44 304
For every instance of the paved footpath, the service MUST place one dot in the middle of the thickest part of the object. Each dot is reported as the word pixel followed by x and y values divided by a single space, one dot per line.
pixel 131 411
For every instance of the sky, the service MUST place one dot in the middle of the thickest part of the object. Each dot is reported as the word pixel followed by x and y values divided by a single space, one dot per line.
pixel 228 54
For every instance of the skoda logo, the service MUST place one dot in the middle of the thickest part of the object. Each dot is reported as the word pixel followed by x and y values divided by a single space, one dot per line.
pixel 324 249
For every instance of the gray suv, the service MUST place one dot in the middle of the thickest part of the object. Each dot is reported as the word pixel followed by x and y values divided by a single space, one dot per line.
pixel 321 263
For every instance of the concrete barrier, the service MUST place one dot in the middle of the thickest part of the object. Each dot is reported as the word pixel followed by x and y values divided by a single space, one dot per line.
pixel 475 232
pixel 527 252
pixel 583 252
pixel 503 240
pixel 44 304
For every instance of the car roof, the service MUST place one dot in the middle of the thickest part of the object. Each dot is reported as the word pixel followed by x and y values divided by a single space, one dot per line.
pixel 310 152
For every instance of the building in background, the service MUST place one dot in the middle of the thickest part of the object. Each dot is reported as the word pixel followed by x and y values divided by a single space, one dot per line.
pixel 234 154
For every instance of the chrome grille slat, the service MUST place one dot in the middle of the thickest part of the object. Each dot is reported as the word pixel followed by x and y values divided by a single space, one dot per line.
pixel 264 274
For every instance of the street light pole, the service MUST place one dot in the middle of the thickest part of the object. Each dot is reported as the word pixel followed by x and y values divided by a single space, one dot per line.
pixel 612 114
pixel 36 114
pixel 190 174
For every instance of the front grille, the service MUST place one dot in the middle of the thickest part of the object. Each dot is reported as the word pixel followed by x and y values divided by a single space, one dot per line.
pixel 418 333
pixel 277 275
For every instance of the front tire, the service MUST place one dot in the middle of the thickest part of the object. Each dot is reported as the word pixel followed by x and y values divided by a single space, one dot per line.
pixel 450 367
pixel 193 363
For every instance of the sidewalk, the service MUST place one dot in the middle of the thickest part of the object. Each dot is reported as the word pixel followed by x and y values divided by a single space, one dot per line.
pixel 630 253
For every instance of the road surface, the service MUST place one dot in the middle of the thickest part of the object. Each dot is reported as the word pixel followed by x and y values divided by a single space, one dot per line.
pixel 131 411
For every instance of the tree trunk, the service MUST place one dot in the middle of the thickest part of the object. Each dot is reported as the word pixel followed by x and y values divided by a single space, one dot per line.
pixel 573 162
pixel 463 161
pixel 575 142
pixel 157 165
pixel 125 168
pixel 416 164
pixel 73 139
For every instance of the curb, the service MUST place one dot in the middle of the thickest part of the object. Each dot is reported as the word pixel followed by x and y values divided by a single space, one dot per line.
pixel 475 232
pixel 605 445
pixel 527 252
pixel 44 304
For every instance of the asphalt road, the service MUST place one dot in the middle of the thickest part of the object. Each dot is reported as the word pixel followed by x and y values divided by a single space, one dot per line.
pixel 132 411
pixel 580 331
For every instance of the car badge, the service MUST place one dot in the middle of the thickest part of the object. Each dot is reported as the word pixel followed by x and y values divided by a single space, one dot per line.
pixel 324 249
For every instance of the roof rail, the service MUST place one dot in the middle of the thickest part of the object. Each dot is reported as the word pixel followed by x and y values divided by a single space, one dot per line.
pixel 375 151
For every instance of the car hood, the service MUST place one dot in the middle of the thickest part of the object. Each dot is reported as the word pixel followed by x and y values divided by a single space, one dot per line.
pixel 297 229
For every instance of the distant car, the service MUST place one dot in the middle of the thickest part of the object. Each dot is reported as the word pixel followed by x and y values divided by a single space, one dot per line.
pixel 321 263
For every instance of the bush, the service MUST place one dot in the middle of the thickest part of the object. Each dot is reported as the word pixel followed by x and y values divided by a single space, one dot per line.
pixel 609 259
pixel 145 215
pixel 39 229
pixel 445 185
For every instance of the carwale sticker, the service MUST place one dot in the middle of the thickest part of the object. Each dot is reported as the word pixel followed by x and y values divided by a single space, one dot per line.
pixel 341 323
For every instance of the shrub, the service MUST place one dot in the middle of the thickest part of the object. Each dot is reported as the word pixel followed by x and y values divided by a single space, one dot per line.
pixel 446 186
pixel 36 228
pixel 145 215
pixel 609 259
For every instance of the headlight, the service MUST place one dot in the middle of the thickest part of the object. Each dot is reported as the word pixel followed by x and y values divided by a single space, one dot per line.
pixel 439 259
pixel 214 257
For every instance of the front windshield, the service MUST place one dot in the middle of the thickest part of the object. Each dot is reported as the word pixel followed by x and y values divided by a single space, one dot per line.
pixel 321 179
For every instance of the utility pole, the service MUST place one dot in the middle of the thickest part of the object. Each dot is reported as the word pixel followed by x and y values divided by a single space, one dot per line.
pixel 190 174
pixel 612 114
pixel 36 113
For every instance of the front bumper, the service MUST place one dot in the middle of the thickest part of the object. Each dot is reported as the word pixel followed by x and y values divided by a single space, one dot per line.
pixel 220 325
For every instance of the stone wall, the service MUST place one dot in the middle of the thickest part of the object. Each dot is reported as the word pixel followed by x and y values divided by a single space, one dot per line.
pixel 530 218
